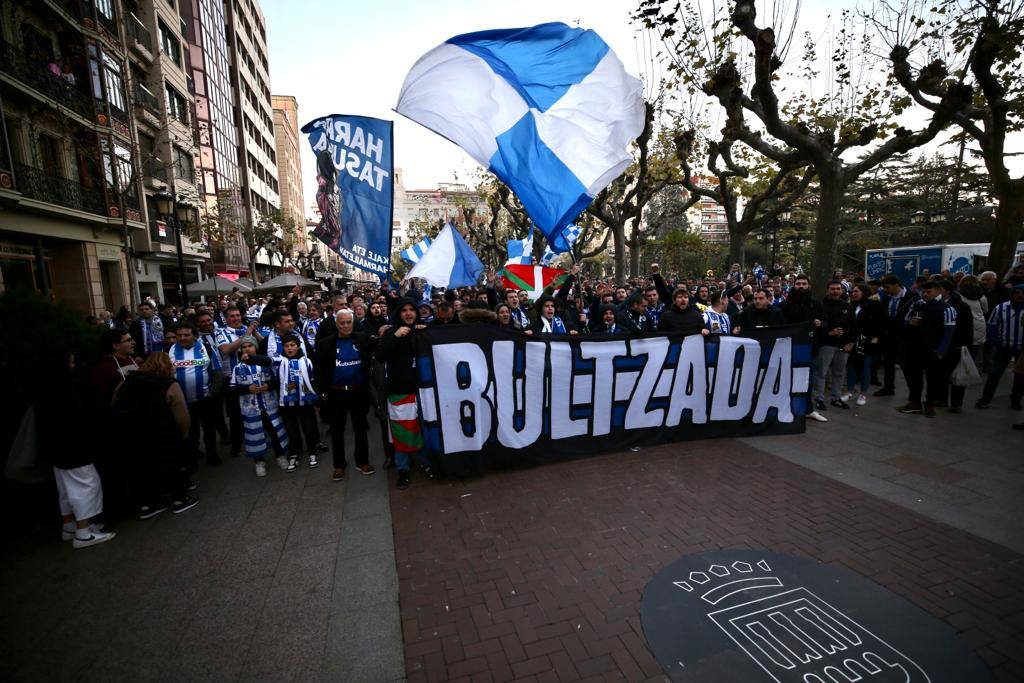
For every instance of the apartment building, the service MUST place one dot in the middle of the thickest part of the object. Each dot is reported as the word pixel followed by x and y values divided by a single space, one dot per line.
pixel 69 190
pixel 163 107
pixel 416 207
pixel 707 217
pixel 289 173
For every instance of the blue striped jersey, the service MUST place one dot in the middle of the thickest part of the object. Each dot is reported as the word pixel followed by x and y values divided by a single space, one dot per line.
pixel 229 335
pixel 209 341
pixel 717 323
pixel 310 329
pixel 192 370
pixel 1004 325
pixel 246 375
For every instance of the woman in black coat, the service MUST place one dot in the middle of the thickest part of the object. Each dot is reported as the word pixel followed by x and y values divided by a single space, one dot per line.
pixel 871 320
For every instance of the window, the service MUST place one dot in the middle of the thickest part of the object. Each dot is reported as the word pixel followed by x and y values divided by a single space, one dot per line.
pixel 185 165
pixel 169 45
pixel 115 84
pixel 177 107
pixel 49 156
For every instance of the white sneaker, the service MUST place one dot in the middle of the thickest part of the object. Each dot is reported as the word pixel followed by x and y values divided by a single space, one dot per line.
pixel 293 462
pixel 845 398
pixel 282 462
pixel 862 400
pixel 66 535
pixel 95 538
pixel 261 469
pixel 815 415
pixel 313 462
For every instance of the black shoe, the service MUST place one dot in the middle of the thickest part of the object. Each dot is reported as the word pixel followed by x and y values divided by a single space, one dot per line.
pixel 819 405
pixel 982 403
pixel 840 403
pixel 885 392
pixel 150 511
pixel 213 461
pixel 190 485
pixel 187 503
pixel 403 480
pixel 321 447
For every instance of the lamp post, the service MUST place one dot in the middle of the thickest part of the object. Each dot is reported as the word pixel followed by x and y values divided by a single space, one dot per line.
pixel 181 212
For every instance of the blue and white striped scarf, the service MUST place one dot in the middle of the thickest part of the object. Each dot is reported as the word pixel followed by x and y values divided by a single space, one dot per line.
pixel 295 372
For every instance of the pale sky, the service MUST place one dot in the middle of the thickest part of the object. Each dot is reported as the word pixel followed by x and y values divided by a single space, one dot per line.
pixel 351 57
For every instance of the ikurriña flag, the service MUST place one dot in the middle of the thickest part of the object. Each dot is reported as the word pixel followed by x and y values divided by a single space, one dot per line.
pixel 354 172
pixel 531 278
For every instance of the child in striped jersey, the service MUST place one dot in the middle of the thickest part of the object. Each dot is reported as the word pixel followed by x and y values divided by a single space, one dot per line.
pixel 297 398
pixel 254 382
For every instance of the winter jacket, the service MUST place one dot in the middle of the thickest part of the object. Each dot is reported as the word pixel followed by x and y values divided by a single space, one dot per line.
pixel 398 355
pixel 838 315
pixel 326 353
pixel 686 320
pixel 978 305
pixel 752 318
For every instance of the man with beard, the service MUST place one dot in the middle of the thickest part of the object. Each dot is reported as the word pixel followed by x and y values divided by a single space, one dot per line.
pixel 801 308
pixel 681 316
pixel 761 314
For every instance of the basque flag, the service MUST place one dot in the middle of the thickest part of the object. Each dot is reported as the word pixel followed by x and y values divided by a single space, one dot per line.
pixel 548 109
pixel 532 279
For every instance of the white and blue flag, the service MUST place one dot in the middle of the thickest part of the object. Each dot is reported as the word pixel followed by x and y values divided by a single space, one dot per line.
pixel 416 251
pixel 566 239
pixel 548 109
pixel 520 252
pixel 449 262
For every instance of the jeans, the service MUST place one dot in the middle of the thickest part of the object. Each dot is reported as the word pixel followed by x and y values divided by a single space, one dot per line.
pixel 341 404
pixel 300 421
pixel 858 369
pixel 1001 358
pixel 829 359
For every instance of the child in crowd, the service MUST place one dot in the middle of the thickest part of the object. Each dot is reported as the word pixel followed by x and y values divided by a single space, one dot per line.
pixel 297 398
pixel 253 381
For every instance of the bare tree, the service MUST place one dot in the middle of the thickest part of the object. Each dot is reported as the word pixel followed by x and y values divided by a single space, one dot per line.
pixel 977 86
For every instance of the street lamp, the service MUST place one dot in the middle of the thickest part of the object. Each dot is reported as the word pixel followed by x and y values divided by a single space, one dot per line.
pixel 918 218
pixel 180 213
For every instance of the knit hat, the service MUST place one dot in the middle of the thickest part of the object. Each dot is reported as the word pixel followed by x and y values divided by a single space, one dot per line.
pixel 248 339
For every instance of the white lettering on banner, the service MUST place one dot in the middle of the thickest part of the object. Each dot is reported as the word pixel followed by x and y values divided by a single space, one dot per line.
pixel 343 144
pixel 463 406
pixel 481 396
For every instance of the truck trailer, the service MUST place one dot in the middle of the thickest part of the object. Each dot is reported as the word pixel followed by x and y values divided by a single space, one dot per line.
pixel 907 263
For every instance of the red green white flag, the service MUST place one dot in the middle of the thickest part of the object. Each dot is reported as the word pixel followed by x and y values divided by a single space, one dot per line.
pixel 533 279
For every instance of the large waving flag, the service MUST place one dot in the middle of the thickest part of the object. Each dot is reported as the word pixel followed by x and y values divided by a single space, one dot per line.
pixel 520 252
pixel 413 253
pixel 549 109
pixel 449 262
pixel 532 279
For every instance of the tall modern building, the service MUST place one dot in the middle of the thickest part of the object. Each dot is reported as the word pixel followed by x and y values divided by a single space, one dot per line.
pixel 237 155
pixel 69 185
pixel 163 107
pixel 289 172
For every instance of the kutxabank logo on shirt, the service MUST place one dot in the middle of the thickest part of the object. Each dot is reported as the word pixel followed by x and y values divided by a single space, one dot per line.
pixel 483 389
pixel 749 615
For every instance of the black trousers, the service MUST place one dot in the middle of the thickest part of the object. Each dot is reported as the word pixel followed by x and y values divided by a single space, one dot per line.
pixel 890 348
pixel 925 367
pixel 234 411
pixel 203 415
pixel 341 404
pixel 299 422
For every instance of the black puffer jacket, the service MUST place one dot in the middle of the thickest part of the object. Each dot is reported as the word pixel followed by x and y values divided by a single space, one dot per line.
pixel 686 320
pixel 398 354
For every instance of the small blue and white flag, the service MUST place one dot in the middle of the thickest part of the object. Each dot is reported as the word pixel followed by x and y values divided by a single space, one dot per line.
pixel 449 262
pixel 427 292
pixel 564 240
pixel 548 109
pixel 520 252
pixel 414 253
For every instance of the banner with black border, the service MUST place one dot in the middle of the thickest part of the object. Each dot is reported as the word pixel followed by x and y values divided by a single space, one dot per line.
pixel 493 397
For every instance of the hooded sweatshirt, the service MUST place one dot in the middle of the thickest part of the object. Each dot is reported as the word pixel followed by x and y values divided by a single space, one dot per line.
pixel 398 354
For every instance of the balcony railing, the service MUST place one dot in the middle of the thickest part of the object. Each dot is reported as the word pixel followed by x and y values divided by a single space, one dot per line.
pixel 37 184
pixel 154 168
pixel 35 75
pixel 137 32
pixel 145 98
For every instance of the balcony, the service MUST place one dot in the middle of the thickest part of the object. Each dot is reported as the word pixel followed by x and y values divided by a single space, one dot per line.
pixel 36 76
pixel 37 184
pixel 139 37
pixel 146 99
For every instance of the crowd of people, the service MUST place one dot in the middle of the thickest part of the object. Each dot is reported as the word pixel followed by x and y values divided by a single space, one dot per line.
pixel 257 375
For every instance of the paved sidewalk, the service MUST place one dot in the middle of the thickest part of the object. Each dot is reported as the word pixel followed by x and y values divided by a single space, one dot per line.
pixel 965 469
pixel 261 581
pixel 537 574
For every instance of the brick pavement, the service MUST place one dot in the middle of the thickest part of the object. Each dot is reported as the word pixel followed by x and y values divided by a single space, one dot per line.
pixel 537 574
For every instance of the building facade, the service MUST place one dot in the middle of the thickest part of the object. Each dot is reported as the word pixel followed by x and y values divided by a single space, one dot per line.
pixel 163 108
pixel 69 186
pixel 707 217
pixel 289 173
pixel 414 209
